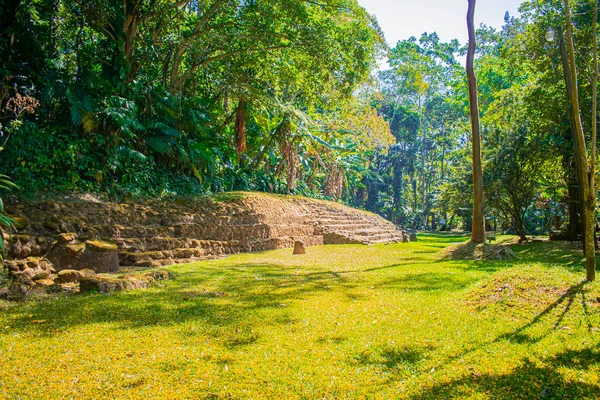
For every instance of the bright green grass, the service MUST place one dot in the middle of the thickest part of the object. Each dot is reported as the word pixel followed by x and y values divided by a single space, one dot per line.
pixel 340 322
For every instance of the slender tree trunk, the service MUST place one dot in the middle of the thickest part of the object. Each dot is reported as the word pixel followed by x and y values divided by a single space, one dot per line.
pixel 478 227
pixel 414 191
pixel 594 122
pixel 589 192
pixel 423 195
pixel 576 200
pixel 442 176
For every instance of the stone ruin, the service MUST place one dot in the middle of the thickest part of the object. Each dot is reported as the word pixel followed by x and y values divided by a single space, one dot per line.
pixel 106 237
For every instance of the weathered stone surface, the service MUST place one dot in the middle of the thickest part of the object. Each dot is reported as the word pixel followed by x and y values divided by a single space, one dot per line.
pixel 405 238
pixel 69 275
pixel 160 275
pixel 75 249
pixel 130 282
pixel 33 263
pixel 19 289
pixel 25 251
pixel 65 238
pixel 156 233
pixel 25 280
pixel 78 256
pixel 4 293
pixel 40 274
pixel 559 236
pixel 100 285
pixel 28 272
pixel 101 246
pixel 337 238
pixel 148 263
pixel 413 237
pixel 87 272
pixel 12 267
pixel 51 225
pixel 299 247
pixel 20 222
pixel 45 282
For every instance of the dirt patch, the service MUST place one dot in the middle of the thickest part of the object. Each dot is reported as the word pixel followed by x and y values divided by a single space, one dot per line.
pixel 478 251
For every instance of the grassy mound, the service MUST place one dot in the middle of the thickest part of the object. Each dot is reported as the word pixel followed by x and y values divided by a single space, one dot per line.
pixel 478 251
pixel 523 288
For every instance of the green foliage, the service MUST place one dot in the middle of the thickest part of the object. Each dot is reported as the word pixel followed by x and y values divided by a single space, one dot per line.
pixel 513 176
pixel 6 223
pixel 135 97
pixel 144 99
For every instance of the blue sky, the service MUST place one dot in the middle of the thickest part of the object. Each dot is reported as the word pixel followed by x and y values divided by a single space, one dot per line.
pixel 401 19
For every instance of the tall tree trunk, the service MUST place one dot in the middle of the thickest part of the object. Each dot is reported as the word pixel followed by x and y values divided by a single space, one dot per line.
pixel 423 191
pixel 588 182
pixel 592 172
pixel 575 194
pixel 574 227
pixel 444 210
pixel 478 227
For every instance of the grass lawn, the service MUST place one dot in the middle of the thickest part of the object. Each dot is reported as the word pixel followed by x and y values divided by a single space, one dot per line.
pixel 339 322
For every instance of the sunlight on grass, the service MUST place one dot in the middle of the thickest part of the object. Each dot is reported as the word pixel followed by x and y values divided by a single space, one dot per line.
pixel 339 322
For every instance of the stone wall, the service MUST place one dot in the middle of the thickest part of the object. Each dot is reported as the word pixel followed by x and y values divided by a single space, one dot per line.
pixel 106 236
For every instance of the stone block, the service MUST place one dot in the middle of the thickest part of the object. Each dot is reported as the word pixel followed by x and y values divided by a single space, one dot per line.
pixel 69 276
pixel 299 247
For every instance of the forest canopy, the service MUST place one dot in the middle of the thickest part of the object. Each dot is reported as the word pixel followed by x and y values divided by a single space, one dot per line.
pixel 164 98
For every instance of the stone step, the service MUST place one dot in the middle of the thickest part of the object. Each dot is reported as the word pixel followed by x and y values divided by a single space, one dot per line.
pixel 194 231
pixel 278 230
pixel 342 221
pixel 345 227
pixel 386 241
pixel 336 217
pixel 378 236
pixel 171 219
pixel 372 231
pixel 142 258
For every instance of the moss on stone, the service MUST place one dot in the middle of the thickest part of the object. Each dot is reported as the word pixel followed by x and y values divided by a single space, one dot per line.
pixel 75 248
pixel 101 246
pixel 53 226
pixel 19 238
pixel 67 237
pixel 20 222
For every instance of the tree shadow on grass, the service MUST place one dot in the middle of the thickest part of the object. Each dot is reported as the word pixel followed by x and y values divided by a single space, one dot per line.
pixel 532 379
pixel 443 279
pixel 565 301
pixel 219 296
pixel 527 381
pixel 224 296
pixel 567 254
pixel 429 282
pixel 389 357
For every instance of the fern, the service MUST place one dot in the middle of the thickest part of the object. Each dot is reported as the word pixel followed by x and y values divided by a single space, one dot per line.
pixel 5 221
pixel 126 152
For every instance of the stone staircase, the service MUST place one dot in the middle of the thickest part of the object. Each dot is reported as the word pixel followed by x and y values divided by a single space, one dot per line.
pixel 168 232
pixel 344 225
